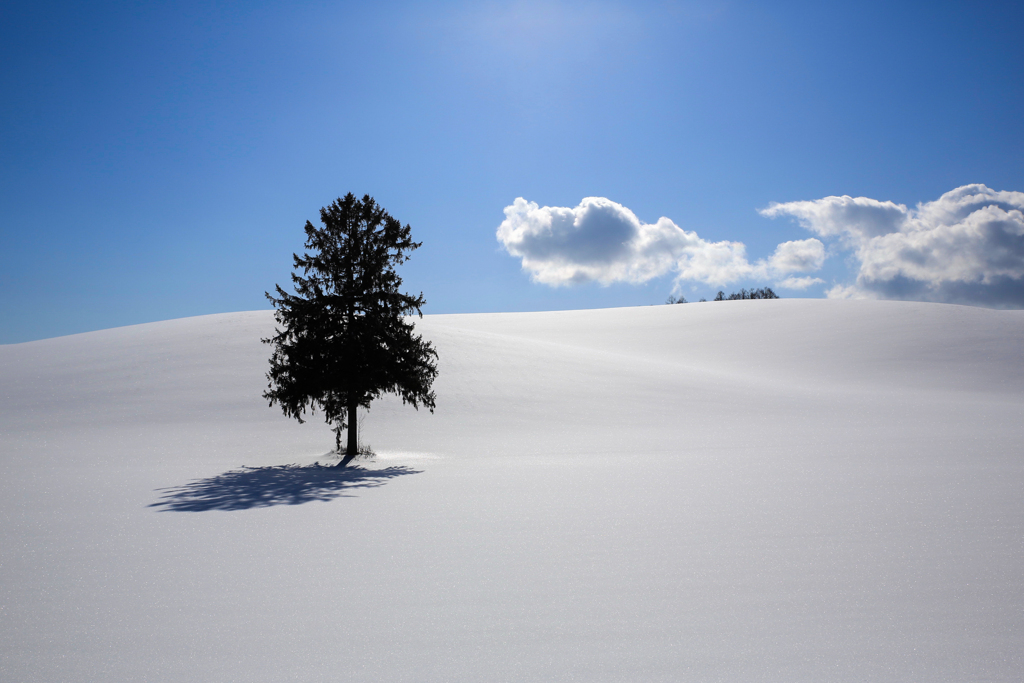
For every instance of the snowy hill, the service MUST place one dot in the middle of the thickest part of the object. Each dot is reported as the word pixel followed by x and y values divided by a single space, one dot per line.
pixel 751 490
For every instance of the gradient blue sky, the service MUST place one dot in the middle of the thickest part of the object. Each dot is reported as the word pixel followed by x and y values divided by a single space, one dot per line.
pixel 160 159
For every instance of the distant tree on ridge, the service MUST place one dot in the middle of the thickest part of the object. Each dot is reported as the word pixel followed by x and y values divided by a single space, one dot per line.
pixel 762 293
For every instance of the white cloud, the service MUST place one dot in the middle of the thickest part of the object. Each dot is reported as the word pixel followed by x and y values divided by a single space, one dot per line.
pixel 965 247
pixel 799 282
pixel 798 256
pixel 713 262
pixel 843 216
pixel 847 292
pixel 603 241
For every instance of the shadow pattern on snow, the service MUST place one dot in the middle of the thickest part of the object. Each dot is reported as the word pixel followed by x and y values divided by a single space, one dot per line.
pixel 253 487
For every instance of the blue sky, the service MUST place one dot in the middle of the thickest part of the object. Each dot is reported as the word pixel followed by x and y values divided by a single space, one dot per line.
pixel 160 159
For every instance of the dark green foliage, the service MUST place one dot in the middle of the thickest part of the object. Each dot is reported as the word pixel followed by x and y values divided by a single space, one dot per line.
pixel 343 338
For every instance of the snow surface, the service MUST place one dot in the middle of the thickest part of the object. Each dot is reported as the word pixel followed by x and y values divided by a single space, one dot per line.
pixel 797 490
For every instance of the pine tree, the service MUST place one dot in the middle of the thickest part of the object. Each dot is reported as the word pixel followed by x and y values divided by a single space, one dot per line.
pixel 343 337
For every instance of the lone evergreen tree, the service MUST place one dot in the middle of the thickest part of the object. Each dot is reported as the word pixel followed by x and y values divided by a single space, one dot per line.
pixel 344 338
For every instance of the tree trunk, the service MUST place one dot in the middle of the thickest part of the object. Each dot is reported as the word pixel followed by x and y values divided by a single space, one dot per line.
pixel 353 444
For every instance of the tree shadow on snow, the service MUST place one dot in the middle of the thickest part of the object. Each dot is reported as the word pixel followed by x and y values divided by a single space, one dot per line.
pixel 254 487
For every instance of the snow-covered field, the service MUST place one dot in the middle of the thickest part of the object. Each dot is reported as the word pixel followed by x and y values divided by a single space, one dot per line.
pixel 797 490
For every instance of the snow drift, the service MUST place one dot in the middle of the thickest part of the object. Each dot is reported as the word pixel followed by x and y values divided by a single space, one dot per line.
pixel 749 490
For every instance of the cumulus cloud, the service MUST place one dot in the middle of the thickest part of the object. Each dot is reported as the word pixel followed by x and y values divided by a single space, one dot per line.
pixel 799 282
pixel 603 241
pixel 843 216
pixel 798 256
pixel 965 247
